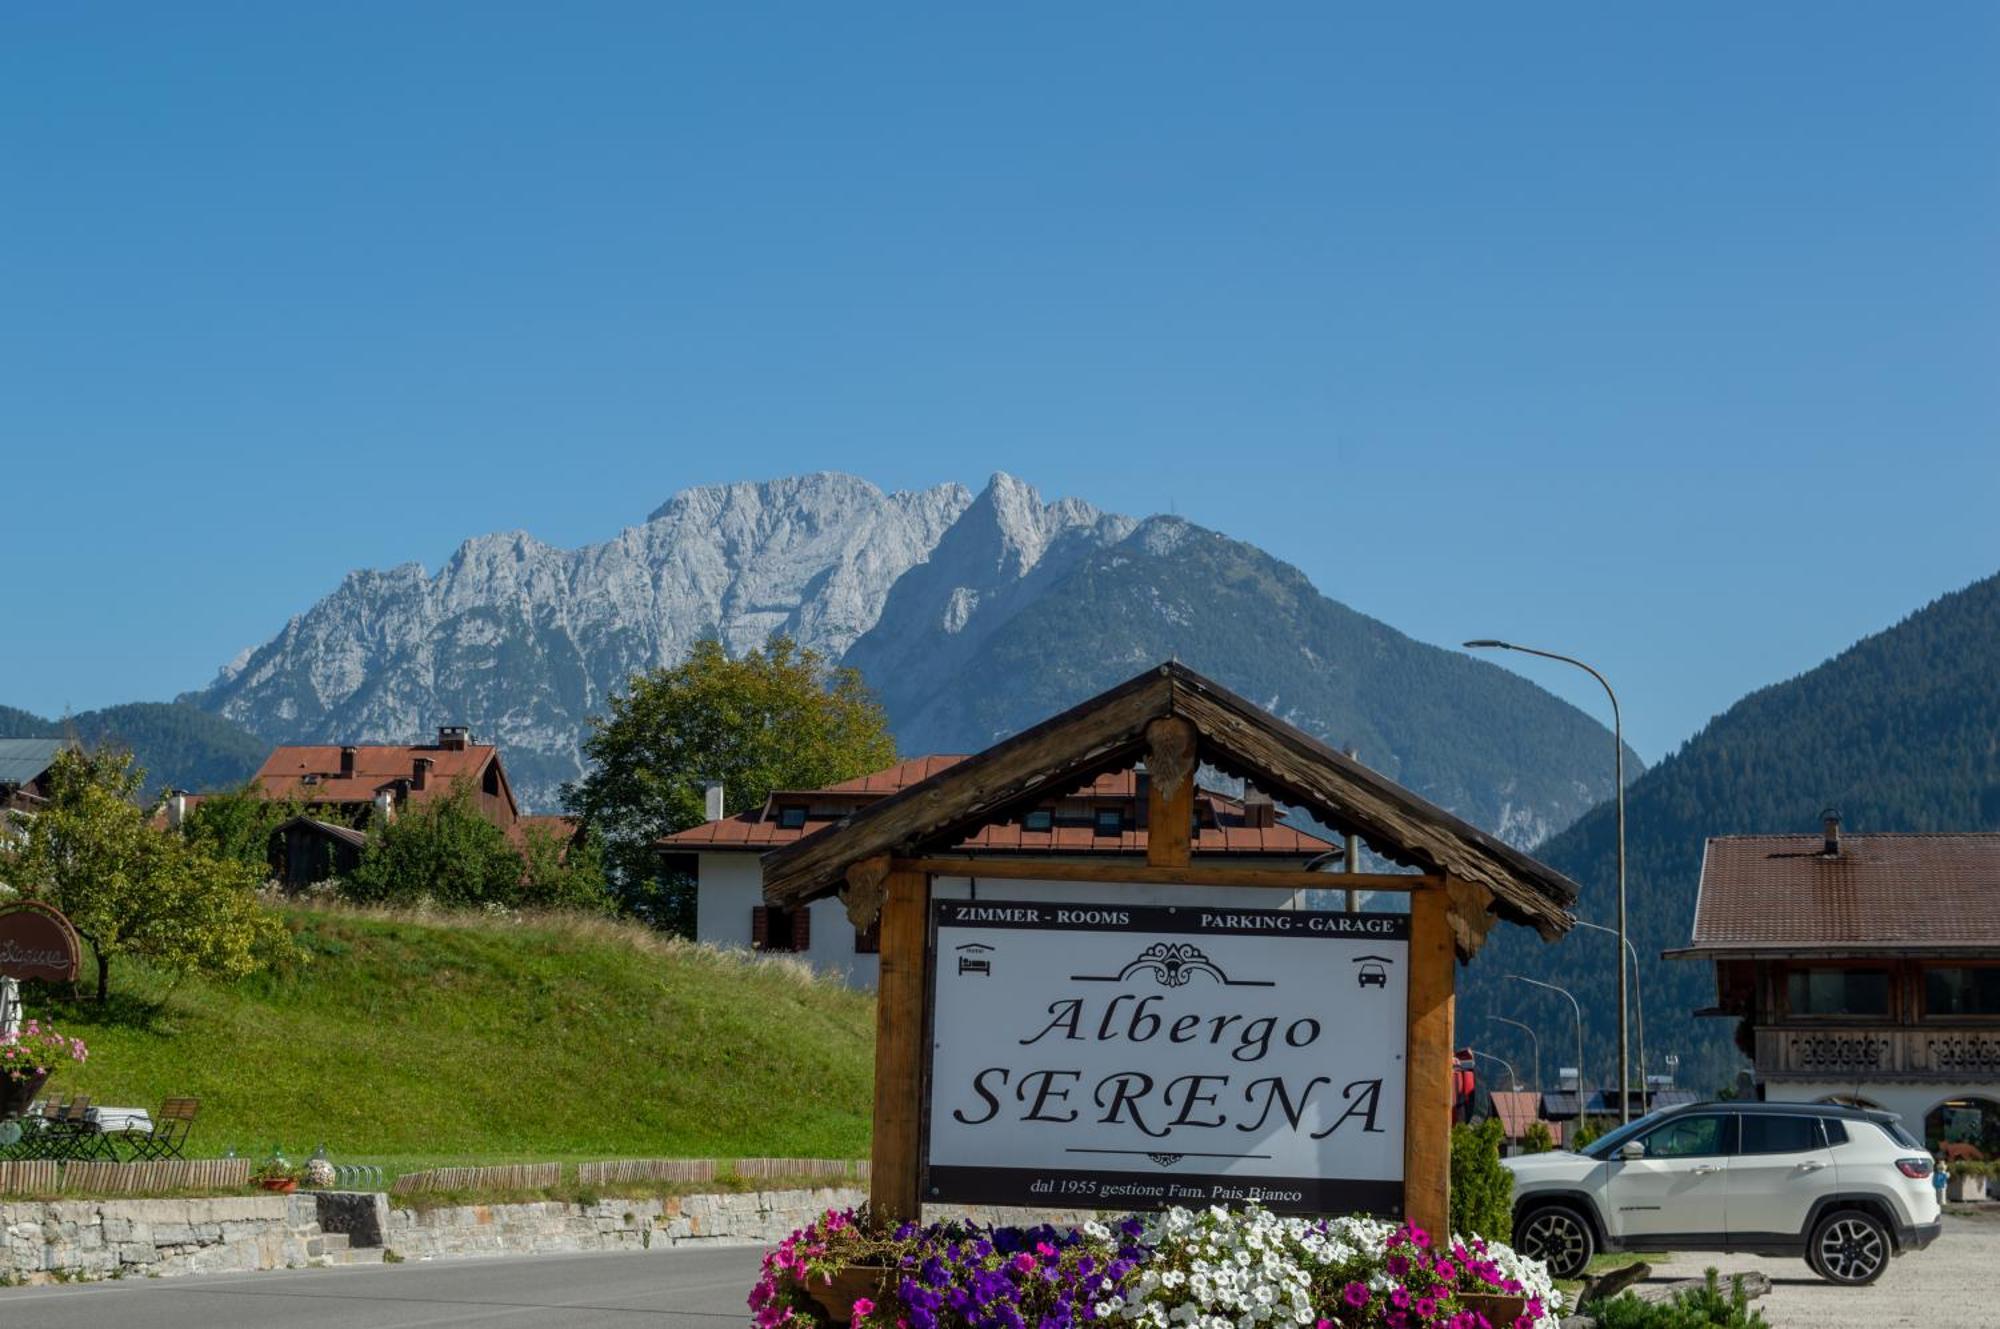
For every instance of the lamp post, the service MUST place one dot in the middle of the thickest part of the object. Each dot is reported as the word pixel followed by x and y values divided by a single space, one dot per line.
pixel 1513 1076
pixel 1618 778
pixel 1533 1042
pixel 1582 1080
pixel 1638 1004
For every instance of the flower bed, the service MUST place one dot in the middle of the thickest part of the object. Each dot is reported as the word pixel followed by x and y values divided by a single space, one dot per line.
pixel 1209 1269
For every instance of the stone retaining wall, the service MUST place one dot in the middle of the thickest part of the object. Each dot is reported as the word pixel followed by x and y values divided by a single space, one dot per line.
pixel 120 1238
pixel 752 1218
pixel 92 1239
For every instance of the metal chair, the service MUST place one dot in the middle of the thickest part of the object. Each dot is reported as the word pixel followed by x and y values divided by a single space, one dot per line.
pixel 170 1130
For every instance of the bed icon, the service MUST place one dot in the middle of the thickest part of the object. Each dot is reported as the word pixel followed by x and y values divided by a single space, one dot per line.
pixel 973 958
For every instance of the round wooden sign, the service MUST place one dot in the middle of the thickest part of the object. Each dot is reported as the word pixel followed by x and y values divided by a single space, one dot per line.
pixel 36 941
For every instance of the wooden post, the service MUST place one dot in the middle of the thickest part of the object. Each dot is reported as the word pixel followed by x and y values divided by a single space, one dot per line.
pixel 899 1050
pixel 1427 1110
pixel 1170 765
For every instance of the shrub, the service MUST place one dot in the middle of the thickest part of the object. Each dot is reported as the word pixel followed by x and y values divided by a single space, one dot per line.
pixel 1537 1139
pixel 1703 1308
pixel 1482 1191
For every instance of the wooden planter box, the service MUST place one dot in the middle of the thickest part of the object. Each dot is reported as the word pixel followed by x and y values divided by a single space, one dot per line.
pixel 851 1283
pixel 1500 1309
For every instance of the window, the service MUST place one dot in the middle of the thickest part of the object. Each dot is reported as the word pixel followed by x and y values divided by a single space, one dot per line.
pixel 1962 991
pixel 791 818
pixel 1041 819
pixel 1779 1135
pixel 1836 1131
pixel 868 940
pixel 1110 821
pixel 1838 991
pixel 774 929
pixel 1689 1137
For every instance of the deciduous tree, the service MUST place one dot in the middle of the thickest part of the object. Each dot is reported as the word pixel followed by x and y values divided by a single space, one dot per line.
pixel 779 718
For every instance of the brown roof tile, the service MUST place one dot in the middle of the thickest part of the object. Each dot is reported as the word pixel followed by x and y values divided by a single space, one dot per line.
pixel 1779 892
pixel 284 773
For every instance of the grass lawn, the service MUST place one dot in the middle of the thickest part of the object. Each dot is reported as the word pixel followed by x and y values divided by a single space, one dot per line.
pixel 408 1041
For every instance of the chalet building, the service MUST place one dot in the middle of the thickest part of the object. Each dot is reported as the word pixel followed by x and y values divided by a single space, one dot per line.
pixel 1106 818
pixel 24 771
pixel 1863 969
pixel 346 788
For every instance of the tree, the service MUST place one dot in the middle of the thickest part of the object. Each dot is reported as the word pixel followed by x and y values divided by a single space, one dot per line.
pixel 443 849
pixel 238 825
pixel 1482 1191
pixel 130 889
pixel 562 873
pixel 779 718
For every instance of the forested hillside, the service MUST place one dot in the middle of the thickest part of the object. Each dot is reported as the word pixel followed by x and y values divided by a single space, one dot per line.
pixel 180 746
pixel 1901 732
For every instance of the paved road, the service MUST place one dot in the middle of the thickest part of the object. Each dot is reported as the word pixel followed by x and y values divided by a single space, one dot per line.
pixel 690 1288
pixel 1949 1286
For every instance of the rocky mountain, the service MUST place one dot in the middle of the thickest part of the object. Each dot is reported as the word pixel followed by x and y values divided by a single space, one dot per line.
pixel 972 616
pixel 1897 732
pixel 523 640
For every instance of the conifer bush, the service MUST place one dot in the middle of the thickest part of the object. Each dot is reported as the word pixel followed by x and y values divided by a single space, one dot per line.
pixel 1482 1191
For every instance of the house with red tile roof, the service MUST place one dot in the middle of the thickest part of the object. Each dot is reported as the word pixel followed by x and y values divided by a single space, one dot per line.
pixel 346 787
pixel 1862 969
pixel 1103 820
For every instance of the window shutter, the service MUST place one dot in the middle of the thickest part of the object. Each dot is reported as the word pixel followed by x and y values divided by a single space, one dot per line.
pixel 802 932
pixel 760 927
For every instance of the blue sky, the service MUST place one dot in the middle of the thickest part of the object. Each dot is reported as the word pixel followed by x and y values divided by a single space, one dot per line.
pixel 1664 339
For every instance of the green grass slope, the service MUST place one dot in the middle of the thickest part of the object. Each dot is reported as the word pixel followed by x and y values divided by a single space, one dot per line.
pixel 410 1042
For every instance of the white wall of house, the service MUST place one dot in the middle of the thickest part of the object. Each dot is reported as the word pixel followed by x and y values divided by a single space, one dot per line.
pixel 731 885
pixel 1913 1102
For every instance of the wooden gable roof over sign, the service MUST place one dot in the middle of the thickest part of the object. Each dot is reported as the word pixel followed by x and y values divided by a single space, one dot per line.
pixel 1108 732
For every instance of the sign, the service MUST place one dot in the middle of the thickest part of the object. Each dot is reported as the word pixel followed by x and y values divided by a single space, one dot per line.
pixel 36 941
pixel 1103 1054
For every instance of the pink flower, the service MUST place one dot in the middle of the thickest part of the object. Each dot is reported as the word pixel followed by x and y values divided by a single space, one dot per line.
pixel 1397 1265
pixel 862 1307
pixel 1425 1308
pixel 1354 1294
pixel 1400 1298
pixel 1043 1248
pixel 1024 1262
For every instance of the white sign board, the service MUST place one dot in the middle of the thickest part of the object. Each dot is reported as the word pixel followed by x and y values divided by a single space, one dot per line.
pixel 1097 1054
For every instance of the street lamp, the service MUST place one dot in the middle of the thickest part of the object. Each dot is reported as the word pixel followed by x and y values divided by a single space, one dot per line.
pixel 1638 1004
pixel 1582 1080
pixel 1618 777
pixel 1513 1076
pixel 1535 1042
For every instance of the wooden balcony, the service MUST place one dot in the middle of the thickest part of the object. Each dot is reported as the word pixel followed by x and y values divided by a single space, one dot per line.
pixel 1883 1052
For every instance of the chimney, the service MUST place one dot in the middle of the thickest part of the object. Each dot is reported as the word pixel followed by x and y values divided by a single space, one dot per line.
pixel 385 804
pixel 1258 809
pixel 347 762
pixel 453 737
pixel 711 791
pixel 1830 819
pixel 420 772
pixel 177 808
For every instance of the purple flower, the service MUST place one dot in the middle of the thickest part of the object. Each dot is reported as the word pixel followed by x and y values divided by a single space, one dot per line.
pixel 1354 1294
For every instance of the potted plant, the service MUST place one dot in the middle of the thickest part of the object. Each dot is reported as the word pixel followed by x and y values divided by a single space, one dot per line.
pixel 28 1059
pixel 277 1175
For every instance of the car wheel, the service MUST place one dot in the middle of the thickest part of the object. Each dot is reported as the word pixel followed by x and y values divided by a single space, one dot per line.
pixel 1849 1247
pixel 1558 1236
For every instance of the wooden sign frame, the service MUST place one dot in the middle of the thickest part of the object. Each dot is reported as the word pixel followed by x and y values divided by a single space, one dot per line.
pixel 902 1038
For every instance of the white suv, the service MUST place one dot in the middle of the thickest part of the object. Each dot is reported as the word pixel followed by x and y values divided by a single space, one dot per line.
pixel 1845 1188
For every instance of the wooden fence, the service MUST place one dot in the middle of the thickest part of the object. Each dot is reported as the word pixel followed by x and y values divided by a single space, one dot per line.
pixel 836 1169
pixel 646 1169
pixel 47 1176
pixel 513 1176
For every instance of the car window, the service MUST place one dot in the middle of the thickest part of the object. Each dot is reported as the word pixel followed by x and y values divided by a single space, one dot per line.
pixel 1894 1130
pixel 1779 1135
pixel 1836 1131
pixel 1689 1137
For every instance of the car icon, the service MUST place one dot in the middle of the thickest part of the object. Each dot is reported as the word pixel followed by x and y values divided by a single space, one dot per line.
pixel 1373 976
